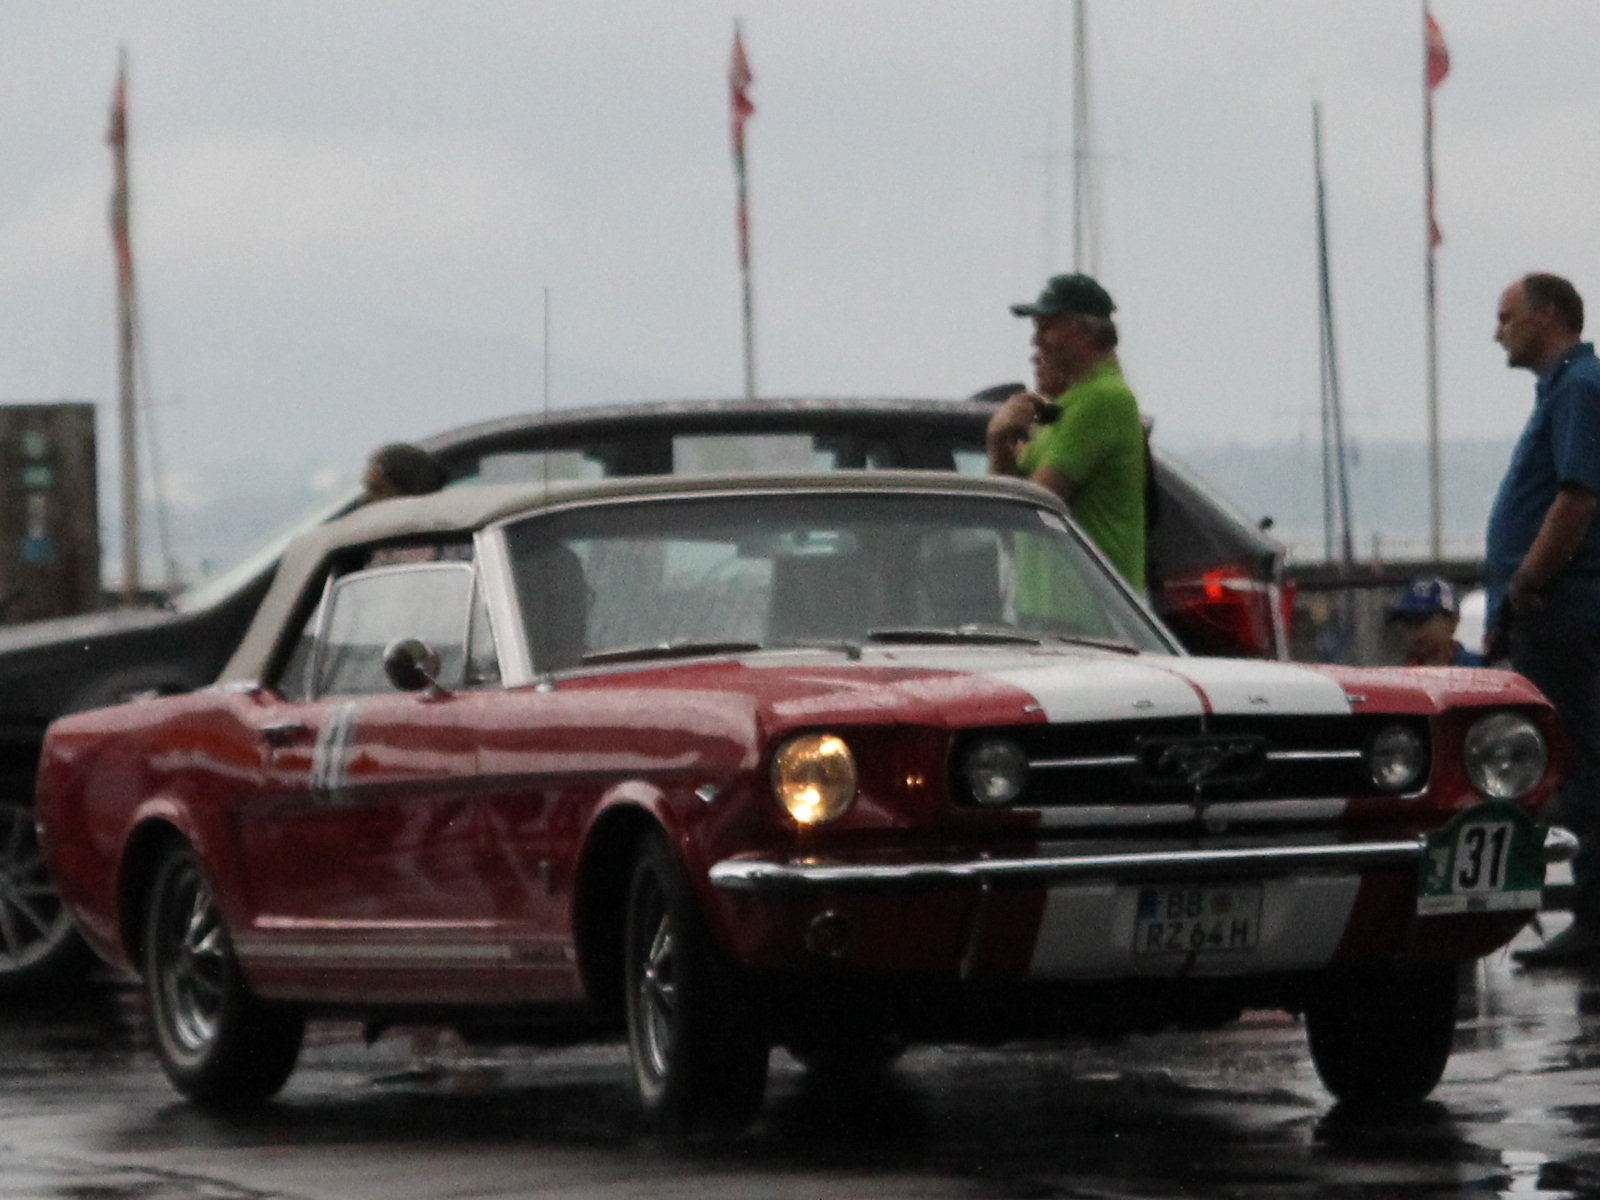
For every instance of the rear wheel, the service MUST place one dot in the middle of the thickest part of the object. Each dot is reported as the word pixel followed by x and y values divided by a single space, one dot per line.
pixel 38 942
pixel 1382 1037
pixel 219 1045
pixel 699 1055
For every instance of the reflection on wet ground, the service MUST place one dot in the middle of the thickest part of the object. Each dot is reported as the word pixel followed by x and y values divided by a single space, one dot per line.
pixel 84 1113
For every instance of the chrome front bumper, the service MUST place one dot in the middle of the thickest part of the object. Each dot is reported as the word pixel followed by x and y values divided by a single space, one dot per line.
pixel 809 875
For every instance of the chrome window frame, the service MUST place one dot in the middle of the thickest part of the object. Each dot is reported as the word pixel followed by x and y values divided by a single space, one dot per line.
pixel 335 583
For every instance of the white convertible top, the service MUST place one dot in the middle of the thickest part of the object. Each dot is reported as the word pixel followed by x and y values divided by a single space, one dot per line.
pixel 470 507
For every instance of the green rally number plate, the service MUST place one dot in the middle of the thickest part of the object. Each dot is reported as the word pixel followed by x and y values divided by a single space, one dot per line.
pixel 1489 858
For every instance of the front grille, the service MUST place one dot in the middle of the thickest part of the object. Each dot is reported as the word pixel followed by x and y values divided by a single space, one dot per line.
pixel 1183 761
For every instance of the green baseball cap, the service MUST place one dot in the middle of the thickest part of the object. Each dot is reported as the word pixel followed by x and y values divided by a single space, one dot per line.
pixel 1073 293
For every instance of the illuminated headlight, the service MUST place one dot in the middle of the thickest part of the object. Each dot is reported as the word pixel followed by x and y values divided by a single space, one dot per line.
pixel 1397 759
pixel 814 778
pixel 996 770
pixel 1505 756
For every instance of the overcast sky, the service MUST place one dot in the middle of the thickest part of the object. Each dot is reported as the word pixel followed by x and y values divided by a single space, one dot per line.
pixel 346 213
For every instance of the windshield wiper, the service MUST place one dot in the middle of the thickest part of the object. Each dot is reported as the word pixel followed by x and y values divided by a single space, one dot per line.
pixel 1083 639
pixel 668 650
pixel 979 635
pixel 962 635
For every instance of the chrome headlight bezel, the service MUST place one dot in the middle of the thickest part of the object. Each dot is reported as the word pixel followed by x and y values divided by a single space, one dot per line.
pixel 995 770
pixel 1397 759
pixel 1505 755
pixel 814 778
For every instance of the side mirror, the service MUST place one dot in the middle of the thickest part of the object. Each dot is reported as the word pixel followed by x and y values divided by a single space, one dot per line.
pixel 411 665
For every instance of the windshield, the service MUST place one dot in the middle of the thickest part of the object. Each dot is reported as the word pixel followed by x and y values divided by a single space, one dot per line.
pixel 838 568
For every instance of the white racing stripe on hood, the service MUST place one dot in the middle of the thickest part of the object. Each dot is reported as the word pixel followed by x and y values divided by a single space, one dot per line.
pixel 1103 689
pixel 1242 685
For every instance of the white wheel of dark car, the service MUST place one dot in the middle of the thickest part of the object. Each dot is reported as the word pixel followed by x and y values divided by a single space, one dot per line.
pixel 1382 1037
pixel 37 938
pixel 699 1055
pixel 219 1045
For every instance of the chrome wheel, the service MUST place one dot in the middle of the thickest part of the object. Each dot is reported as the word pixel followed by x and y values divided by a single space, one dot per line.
pixel 35 927
pixel 191 961
pixel 699 1051
pixel 219 1044
pixel 658 994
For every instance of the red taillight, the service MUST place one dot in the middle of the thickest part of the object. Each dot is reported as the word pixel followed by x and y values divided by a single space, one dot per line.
pixel 1226 610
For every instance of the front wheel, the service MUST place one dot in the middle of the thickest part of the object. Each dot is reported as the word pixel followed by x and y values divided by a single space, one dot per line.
pixel 38 941
pixel 699 1055
pixel 219 1045
pixel 1382 1036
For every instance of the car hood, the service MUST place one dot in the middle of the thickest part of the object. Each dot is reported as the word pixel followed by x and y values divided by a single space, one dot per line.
pixel 963 686
pixel 974 686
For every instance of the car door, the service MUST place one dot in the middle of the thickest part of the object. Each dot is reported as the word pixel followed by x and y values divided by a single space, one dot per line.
pixel 363 848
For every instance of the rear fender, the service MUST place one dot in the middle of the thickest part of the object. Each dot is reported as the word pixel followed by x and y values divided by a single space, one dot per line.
pixel 159 823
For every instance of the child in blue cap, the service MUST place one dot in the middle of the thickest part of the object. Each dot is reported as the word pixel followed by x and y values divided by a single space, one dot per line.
pixel 1428 613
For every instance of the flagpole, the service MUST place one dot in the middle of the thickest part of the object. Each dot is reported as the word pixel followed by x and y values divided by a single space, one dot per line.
pixel 123 246
pixel 1435 489
pixel 740 105
pixel 749 304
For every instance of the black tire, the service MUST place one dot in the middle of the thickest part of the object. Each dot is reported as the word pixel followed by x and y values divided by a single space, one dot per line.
pixel 219 1045
pixel 1382 1037
pixel 699 1054
pixel 39 945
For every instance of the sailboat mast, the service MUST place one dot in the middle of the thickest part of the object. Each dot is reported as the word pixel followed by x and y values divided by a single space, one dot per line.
pixel 123 247
pixel 1332 403
pixel 1085 217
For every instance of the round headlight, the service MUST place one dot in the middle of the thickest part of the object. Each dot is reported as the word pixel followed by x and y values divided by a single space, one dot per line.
pixel 814 777
pixel 1505 756
pixel 997 771
pixel 1397 759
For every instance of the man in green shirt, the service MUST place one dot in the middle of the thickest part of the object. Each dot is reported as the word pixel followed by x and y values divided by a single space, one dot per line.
pixel 1093 454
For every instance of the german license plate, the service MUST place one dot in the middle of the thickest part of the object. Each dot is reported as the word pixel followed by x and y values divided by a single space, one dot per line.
pixel 1488 859
pixel 1197 918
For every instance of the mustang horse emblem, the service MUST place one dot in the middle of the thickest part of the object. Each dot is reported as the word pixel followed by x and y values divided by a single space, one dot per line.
pixel 1197 760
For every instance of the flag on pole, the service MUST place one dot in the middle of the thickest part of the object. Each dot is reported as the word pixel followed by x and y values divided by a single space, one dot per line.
pixel 1437 67
pixel 740 104
pixel 740 108
pixel 117 139
pixel 1438 55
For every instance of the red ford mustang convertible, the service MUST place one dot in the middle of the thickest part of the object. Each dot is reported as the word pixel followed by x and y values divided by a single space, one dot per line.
pixel 838 763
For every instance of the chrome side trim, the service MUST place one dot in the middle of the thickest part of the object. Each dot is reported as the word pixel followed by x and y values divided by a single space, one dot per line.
pixel 262 950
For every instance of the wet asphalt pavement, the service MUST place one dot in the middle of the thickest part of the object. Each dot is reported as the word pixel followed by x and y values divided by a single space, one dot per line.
pixel 86 1114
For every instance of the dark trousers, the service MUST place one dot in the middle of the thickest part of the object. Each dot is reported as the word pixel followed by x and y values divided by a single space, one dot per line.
pixel 1559 653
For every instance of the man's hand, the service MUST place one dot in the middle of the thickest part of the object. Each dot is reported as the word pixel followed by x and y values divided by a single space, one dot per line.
pixel 1565 523
pixel 1011 425
pixel 1522 594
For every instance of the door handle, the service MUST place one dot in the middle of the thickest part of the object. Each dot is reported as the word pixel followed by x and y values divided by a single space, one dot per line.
pixel 284 732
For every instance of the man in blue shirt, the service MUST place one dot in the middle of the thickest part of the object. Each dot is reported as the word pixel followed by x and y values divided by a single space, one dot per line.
pixel 1543 567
